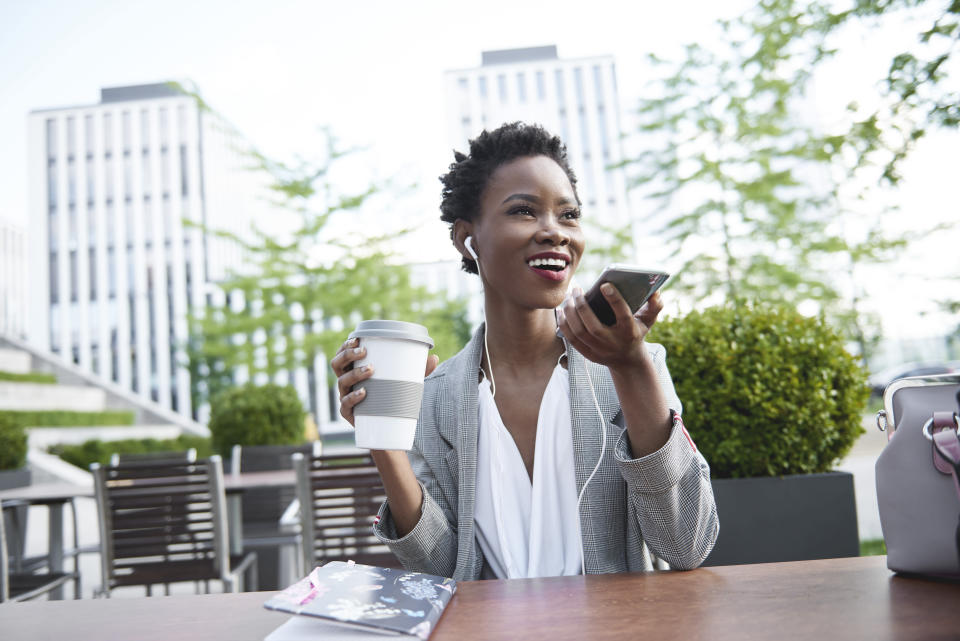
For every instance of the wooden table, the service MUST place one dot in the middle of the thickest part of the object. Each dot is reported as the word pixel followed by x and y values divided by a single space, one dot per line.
pixel 855 598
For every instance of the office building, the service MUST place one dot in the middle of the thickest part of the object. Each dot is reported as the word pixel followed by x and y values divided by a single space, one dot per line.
pixel 114 268
pixel 575 98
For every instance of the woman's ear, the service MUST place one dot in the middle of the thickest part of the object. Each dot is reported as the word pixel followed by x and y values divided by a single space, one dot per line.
pixel 461 230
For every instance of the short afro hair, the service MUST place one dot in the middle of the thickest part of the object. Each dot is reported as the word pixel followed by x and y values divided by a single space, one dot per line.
pixel 464 184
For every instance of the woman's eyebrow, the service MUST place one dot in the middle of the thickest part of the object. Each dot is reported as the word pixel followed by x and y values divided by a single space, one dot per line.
pixel 528 197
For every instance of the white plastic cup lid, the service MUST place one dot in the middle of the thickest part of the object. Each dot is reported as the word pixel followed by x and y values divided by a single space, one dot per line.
pixel 400 330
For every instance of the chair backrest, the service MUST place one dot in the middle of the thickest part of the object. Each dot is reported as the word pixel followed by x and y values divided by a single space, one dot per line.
pixel 188 455
pixel 339 500
pixel 162 522
pixel 4 562
pixel 267 504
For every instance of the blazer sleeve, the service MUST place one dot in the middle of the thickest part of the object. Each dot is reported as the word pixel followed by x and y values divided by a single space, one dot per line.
pixel 431 546
pixel 670 489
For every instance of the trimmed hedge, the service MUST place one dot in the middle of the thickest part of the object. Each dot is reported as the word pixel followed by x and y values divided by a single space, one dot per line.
pixel 32 377
pixel 766 391
pixel 13 444
pixel 256 415
pixel 97 451
pixel 58 418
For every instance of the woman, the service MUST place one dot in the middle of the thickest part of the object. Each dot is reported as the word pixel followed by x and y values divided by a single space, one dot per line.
pixel 536 454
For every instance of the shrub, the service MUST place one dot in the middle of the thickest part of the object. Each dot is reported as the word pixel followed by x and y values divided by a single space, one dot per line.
pixel 255 415
pixel 765 391
pixel 60 418
pixel 32 377
pixel 97 451
pixel 13 444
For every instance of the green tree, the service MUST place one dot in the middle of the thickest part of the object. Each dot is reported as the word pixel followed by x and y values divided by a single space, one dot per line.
pixel 755 199
pixel 307 280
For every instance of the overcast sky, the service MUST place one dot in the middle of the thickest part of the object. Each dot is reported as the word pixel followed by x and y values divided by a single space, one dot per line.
pixel 372 71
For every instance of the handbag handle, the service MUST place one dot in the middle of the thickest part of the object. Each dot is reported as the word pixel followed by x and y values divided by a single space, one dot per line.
pixel 946 450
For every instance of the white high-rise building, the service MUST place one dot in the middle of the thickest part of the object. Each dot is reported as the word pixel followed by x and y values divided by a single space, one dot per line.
pixel 113 268
pixel 574 98
pixel 13 280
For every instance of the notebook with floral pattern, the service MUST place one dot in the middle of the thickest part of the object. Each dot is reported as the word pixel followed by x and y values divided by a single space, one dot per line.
pixel 377 599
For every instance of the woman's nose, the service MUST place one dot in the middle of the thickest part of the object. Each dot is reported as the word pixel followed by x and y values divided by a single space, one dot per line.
pixel 551 231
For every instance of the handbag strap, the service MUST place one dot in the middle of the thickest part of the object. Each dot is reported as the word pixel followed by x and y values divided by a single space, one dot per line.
pixel 943 430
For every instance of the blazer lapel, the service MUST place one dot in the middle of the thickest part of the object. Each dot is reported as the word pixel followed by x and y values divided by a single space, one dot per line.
pixel 465 393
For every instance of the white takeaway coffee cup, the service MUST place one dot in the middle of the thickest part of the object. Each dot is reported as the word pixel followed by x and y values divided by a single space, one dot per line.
pixel 386 419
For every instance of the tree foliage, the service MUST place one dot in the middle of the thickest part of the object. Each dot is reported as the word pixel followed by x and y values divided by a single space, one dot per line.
pixel 308 276
pixel 759 203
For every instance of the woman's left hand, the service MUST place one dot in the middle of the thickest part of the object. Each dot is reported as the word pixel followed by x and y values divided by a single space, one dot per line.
pixel 617 346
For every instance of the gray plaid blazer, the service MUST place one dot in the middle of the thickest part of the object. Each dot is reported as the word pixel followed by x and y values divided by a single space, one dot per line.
pixel 664 499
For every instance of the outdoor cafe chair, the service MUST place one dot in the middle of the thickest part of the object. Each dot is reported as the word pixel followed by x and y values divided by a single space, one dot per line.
pixel 21 586
pixel 188 455
pixel 339 500
pixel 263 508
pixel 165 522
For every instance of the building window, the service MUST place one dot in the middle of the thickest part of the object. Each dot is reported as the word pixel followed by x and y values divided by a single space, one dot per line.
pixel 112 271
pixel 127 133
pixel 521 87
pixel 90 181
pixel 578 84
pixel 164 127
pixel 71 137
pixel 127 177
pixel 541 86
pixel 73 276
pixel 482 85
pixel 52 184
pixel 561 93
pixel 54 279
pixel 144 128
pixel 602 124
pixel 51 138
pixel 108 178
pixel 183 170
pixel 71 181
pixel 107 133
pixel 598 83
pixel 463 84
pixel 93 273
pixel 502 86
pixel 88 135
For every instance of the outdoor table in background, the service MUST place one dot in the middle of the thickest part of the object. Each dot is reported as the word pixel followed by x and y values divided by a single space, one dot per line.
pixel 54 496
pixel 853 598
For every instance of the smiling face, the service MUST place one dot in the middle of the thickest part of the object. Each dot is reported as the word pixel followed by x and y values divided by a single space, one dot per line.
pixel 527 233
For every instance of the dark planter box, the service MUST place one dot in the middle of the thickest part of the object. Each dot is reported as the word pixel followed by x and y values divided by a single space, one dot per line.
pixel 19 477
pixel 788 518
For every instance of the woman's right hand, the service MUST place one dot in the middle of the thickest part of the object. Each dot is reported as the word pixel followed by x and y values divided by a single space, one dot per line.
pixel 348 376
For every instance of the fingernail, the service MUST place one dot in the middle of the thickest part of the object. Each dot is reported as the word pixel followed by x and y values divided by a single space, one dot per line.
pixel 357 350
pixel 366 368
pixel 361 391
pixel 606 288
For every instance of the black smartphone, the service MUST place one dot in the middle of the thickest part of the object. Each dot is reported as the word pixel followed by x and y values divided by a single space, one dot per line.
pixel 635 284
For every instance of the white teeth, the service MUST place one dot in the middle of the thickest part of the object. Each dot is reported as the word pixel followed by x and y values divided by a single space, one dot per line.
pixel 547 262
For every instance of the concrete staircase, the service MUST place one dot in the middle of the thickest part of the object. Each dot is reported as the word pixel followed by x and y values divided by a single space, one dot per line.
pixel 77 391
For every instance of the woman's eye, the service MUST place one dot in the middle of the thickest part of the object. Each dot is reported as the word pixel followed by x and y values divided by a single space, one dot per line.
pixel 572 214
pixel 522 210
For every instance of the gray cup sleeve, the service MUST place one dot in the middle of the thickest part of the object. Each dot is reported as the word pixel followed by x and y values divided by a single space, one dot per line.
pixel 400 399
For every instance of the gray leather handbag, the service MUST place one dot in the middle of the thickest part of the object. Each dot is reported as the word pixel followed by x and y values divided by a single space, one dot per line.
pixel 918 475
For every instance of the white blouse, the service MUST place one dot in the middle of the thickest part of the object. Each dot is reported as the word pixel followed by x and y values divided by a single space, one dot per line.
pixel 524 529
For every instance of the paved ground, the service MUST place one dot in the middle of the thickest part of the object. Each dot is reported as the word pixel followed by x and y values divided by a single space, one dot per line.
pixel 860 463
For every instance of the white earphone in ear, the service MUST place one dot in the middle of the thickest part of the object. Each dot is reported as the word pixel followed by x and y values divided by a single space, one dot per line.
pixel 468 243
